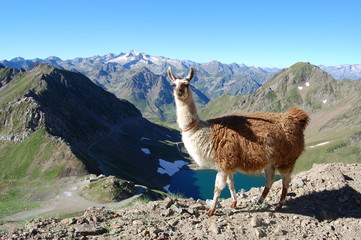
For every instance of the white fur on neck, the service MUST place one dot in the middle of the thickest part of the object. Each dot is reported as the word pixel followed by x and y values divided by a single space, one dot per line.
pixel 186 111
pixel 197 142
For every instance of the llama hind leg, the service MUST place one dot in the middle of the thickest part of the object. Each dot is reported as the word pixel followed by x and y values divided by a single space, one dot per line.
pixel 270 178
pixel 230 183
pixel 218 187
pixel 286 179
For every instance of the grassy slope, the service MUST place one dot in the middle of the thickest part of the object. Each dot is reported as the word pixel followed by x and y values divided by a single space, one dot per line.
pixel 30 165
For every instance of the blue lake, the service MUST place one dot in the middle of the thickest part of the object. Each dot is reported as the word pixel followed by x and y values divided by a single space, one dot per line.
pixel 200 184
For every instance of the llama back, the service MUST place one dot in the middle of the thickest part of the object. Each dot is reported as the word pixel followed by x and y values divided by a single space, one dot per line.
pixel 243 142
pixel 257 139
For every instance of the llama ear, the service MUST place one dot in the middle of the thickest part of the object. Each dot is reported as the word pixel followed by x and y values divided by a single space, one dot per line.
pixel 171 75
pixel 190 75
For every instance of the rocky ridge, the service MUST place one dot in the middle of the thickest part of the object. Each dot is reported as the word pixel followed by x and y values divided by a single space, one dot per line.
pixel 323 203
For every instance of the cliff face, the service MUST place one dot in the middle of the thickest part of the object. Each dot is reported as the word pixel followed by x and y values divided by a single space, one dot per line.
pixel 323 203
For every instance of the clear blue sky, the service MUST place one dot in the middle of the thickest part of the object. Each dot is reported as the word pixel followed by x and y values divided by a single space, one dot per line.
pixel 260 33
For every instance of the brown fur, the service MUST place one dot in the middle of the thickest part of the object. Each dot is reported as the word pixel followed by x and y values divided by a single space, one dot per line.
pixel 248 143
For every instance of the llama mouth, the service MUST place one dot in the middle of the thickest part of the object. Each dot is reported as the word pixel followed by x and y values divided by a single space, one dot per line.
pixel 180 94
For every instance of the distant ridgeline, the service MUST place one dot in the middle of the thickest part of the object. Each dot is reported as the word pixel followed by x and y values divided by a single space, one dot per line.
pixel 141 79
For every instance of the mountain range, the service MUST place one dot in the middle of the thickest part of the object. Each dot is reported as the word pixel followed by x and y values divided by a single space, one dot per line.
pixel 141 79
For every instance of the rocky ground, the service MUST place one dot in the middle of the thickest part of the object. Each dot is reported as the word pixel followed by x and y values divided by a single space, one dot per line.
pixel 323 203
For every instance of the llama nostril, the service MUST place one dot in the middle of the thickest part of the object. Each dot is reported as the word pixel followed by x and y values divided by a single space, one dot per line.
pixel 180 93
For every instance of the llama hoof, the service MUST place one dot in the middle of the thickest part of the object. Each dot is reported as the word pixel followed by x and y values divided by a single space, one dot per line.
pixel 279 206
pixel 234 204
pixel 211 212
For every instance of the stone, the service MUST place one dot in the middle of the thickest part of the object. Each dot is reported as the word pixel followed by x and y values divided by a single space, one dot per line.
pixel 174 222
pixel 89 230
pixel 259 233
pixel 304 223
pixel 168 202
pixel 198 206
pixel 278 230
pixel 162 235
pixel 137 223
pixel 176 208
pixel 193 212
pixel 297 183
pixel 255 222
pixel 214 228
pixel 166 213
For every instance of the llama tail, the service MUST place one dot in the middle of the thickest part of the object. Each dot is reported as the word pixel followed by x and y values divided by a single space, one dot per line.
pixel 297 117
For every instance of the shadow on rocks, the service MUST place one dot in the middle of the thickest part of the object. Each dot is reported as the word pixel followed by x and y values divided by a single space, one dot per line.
pixel 327 205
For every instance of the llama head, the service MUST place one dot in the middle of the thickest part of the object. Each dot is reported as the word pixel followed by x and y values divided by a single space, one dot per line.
pixel 181 86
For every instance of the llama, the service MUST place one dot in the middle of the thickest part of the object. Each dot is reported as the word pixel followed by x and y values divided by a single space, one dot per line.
pixel 246 143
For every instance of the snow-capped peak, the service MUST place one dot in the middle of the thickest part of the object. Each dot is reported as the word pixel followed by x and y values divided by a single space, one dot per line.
pixel 128 57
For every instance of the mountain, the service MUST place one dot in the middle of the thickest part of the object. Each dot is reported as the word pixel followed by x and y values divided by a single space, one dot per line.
pixel 152 94
pixel 56 123
pixel 334 133
pixel 351 71
pixel 303 84
pixel 215 79
pixel 118 74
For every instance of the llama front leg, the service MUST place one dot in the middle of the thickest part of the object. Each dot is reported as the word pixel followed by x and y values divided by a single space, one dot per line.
pixel 218 187
pixel 230 183
pixel 270 178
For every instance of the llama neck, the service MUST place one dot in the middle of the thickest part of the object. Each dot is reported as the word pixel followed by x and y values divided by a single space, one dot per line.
pixel 186 112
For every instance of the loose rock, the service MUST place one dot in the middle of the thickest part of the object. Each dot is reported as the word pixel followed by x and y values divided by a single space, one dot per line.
pixel 322 211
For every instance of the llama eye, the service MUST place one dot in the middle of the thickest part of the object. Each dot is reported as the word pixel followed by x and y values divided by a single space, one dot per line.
pixel 173 85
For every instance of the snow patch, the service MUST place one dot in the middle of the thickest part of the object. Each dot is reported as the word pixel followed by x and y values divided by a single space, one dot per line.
pixel 170 168
pixel 324 101
pixel 320 144
pixel 65 195
pixel 307 84
pixel 145 150
pixel 166 188
pixel 299 87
